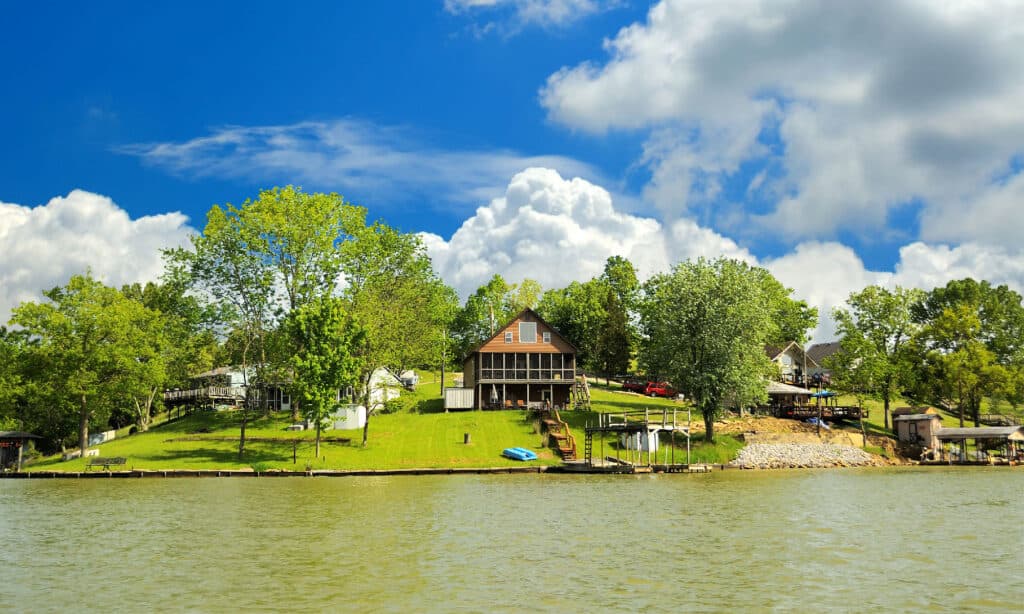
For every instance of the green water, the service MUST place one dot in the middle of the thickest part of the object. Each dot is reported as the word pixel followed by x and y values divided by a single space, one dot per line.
pixel 843 540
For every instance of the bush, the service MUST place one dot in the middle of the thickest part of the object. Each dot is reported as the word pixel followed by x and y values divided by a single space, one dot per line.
pixel 392 406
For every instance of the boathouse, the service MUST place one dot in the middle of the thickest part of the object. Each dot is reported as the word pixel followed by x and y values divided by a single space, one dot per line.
pixel 12 447
pixel 918 429
pixel 525 364
pixel 1008 440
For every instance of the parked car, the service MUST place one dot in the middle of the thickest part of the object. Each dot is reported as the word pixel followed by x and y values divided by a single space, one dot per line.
pixel 660 389
pixel 634 385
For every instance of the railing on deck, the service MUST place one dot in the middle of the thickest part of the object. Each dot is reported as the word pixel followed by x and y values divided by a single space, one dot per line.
pixel 207 392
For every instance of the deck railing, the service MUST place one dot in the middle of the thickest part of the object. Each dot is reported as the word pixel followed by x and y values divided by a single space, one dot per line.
pixel 207 392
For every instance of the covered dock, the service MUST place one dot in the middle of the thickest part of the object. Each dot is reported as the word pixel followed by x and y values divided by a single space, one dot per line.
pixel 1008 441
pixel 12 448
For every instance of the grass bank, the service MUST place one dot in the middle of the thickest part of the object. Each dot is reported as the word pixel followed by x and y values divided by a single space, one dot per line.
pixel 417 435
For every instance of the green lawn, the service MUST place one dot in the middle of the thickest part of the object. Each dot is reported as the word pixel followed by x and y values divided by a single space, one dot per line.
pixel 417 435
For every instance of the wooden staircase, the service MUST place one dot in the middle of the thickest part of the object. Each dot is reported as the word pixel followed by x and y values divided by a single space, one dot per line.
pixel 559 432
pixel 581 394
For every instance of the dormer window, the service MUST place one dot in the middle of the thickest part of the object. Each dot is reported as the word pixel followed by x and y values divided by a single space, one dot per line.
pixel 508 337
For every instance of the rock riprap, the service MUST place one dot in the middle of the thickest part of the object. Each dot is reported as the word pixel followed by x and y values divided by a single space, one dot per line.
pixel 792 455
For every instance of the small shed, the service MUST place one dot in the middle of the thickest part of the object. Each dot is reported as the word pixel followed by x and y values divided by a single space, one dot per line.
pixel 918 429
pixel 348 417
pixel 12 447
pixel 458 398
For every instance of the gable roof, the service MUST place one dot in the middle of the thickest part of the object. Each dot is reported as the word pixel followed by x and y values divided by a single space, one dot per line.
pixel 774 351
pixel 820 351
pixel 501 330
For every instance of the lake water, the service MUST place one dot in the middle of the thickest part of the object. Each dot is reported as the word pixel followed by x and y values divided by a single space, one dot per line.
pixel 930 539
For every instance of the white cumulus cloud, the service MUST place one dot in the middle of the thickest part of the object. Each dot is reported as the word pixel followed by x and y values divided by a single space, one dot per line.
pixel 859 108
pixel 42 247
pixel 546 228
pixel 558 230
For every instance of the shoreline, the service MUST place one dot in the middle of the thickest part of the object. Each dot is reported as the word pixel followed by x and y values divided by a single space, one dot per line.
pixel 344 473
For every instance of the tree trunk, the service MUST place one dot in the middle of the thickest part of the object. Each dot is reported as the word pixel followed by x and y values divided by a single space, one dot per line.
pixel 318 422
pixel 366 427
pixel 960 400
pixel 83 427
pixel 885 410
pixel 709 424
pixel 245 418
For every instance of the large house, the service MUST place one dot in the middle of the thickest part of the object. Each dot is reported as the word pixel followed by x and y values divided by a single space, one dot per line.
pixel 525 364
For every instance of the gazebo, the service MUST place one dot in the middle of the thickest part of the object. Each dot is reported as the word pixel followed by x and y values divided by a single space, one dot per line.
pixel 12 444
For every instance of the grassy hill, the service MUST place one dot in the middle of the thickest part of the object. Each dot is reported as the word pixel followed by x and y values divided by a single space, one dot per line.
pixel 418 435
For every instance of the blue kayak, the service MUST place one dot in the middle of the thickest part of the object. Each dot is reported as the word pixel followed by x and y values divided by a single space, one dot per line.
pixel 521 454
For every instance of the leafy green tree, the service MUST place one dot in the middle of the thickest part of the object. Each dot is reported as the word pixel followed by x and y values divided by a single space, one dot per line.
pixel 11 384
pixel 394 293
pixel 620 275
pixel 614 341
pixel 484 311
pixel 181 337
pixel 521 296
pixel 578 313
pixel 92 343
pixel 239 282
pixel 973 333
pixel 704 325
pixel 876 330
pixel 327 360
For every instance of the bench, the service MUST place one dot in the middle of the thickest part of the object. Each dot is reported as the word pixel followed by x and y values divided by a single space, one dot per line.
pixel 105 462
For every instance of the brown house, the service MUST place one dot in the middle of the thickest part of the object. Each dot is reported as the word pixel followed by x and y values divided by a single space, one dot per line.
pixel 525 364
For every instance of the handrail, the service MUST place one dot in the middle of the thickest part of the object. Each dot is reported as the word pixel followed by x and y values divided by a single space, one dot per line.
pixel 205 392
pixel 565 429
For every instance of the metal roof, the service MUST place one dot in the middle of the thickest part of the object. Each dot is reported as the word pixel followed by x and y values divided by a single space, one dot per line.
pixel 780 388
pixel 906 417
pixel 985 432
pixel 18 435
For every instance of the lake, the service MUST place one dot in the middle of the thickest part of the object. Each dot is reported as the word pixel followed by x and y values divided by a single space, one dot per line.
pixel 910 539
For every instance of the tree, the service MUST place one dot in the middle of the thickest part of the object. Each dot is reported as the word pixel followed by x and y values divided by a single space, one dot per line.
pixel 92 343
pixel 876 330
pixel 182 343
pixel 394 293
pixel 614 341
pixel 578 313
pixel 620 275
pixel 327 360
pixel 223 267
pixel 704 325
pixel 485 310
pixel 974 333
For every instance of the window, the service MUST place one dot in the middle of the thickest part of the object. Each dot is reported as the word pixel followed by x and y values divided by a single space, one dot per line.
pixel 528 332
pixel 547 337
pixel 508 337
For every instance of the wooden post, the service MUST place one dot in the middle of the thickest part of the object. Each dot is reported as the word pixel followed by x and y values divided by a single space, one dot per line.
pixel 295 451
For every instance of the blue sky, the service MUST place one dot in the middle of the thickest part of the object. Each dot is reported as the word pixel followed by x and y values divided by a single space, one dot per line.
pixel 838 145
pixel 83 82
